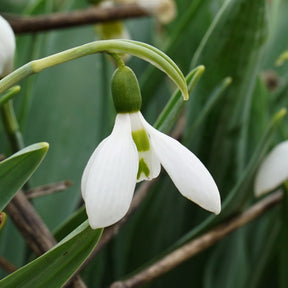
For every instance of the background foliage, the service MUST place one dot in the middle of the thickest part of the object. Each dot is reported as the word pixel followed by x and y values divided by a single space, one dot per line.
pixel 69 106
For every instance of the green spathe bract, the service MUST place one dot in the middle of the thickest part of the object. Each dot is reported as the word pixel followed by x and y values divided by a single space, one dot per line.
pixel 125 91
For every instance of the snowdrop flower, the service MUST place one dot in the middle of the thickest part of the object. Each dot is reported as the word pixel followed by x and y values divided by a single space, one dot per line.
pixel 134 152
pixel 273 170
pixel 7 47
pixel 113 29
pixel 163 10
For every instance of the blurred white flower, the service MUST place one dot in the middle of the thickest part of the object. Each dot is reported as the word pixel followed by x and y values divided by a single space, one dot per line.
pixel 113 30
pixel 163 10
pixel 7 47
pixel 273 171
pixel 132 153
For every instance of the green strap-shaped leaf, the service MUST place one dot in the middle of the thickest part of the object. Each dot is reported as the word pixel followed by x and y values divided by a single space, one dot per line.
pixel 56 266
pixel 167 117
pixel 232 47
pixel 17 169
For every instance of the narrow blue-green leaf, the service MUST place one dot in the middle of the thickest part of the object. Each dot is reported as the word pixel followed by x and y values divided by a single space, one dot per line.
pixel 175 103
pixel 71 223
pixel 213 99
pixel 56 266
pixel 17 169
pixel 236 198
pixel 232 46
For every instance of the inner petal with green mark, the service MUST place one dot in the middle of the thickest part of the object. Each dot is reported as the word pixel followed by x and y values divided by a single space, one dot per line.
pixel 143 145
pixel 149 165
pixel 143 168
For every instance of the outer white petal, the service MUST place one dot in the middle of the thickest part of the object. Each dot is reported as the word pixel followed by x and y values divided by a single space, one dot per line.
pixel 149 156
pixel 164 10
pixel 273 170
pixel 109 179
pixel 7 47
pixel 88 166
pixel 187 172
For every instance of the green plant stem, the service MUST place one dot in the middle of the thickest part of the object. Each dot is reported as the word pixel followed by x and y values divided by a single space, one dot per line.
pixel 138 49
pixel 11 126
pixel 9 94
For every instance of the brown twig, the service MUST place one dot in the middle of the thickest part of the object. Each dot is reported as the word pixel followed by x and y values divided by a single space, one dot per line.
pixel 21 24
pixel 7 266
pixel 199 244
pixel 113 230
pixel 47 189
pixel 2 157
pixel 25 217
pixel 32 228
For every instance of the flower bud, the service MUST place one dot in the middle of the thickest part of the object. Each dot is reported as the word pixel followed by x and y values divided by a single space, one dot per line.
pixel 125 91
pixel 7 47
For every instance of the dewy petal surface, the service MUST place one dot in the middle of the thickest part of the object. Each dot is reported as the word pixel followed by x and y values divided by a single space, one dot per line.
pixel 187 172
pixel 273 170
pixel 109 180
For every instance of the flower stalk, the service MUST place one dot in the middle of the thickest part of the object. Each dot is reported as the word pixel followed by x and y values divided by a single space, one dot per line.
pixel 138 49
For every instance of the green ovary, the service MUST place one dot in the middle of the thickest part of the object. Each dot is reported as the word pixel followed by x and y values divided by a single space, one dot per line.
pixel 143 168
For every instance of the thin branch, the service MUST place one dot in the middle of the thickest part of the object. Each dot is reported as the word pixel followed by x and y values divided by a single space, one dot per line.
pixel 47 189
pixel 113 230
pixel 199 244
pixel 7 266
pixel 32 228
pixel 22 24
pixel 25 217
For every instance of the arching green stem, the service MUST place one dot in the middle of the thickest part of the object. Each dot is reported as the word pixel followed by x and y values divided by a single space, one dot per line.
pixel 138 49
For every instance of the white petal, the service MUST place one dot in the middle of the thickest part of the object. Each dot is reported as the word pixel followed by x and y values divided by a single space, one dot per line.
pixel 273 170
pixel 7 47
pixel 88 166
pixel 164 10
pixel 109 179
pixel 147 157
pixel 187 172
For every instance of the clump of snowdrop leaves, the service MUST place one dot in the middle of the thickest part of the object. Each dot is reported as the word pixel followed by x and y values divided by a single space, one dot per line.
pixel 134 152
pixel 7 47
pixel 273 171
